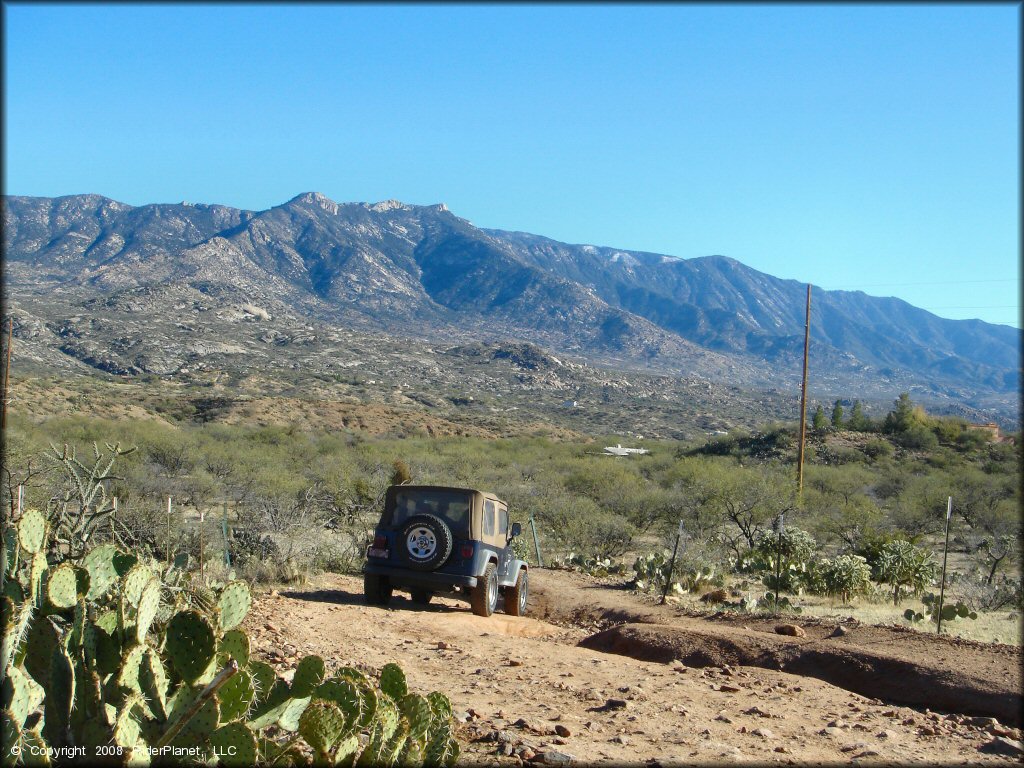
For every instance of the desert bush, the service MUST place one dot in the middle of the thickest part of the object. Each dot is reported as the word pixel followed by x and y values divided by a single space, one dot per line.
pixel 878 449
pixel 903 566
pixel 843 577
pixel 791 553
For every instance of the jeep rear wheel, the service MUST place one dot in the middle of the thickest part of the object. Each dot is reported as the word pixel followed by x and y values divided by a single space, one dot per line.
pixel 484 597
pixel 425 542
pixel 376 589
pixel 515 597
pixel 421 596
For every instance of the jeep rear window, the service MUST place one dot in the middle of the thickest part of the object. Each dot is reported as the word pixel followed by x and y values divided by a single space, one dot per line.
pixel 450 506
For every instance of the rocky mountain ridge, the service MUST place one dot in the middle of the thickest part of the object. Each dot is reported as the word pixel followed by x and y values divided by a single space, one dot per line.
pixel 84 265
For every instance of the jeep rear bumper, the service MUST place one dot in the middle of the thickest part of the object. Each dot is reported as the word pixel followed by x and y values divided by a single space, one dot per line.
pixel 403 577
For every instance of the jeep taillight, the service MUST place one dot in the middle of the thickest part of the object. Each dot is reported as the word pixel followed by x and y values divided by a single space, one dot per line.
pixel 379 541
pixel 466 551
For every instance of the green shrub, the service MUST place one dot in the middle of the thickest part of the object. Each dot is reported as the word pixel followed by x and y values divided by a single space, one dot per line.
pixel 844 577
pixel 902 565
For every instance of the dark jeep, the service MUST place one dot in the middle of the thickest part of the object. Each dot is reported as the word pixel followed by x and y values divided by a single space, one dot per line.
pixel 433 539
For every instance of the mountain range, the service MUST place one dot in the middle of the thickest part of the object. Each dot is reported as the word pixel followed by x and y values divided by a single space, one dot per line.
pixel 105 285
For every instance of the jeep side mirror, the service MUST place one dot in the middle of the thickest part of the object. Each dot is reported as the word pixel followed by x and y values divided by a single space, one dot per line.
pixel 516 530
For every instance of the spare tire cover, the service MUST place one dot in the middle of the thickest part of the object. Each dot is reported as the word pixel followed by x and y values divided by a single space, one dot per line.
pixel 425 542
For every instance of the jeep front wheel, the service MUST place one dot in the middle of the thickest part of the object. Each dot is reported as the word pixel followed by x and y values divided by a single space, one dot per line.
pixel 484 597
pixel 376 589
pixel 515 597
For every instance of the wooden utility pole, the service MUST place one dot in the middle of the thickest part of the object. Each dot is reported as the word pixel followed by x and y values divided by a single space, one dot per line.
pixel 7 372
pixel 803 404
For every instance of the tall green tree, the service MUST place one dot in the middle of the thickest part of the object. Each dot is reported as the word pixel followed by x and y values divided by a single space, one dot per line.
pixel 818 422
pixel 858 421
pixel 903 417
pixel 837 414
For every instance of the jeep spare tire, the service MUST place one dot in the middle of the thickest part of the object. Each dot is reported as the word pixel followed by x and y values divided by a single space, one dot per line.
pixel 425 542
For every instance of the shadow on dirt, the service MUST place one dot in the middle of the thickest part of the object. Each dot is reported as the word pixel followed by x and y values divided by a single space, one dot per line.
pixel 399 602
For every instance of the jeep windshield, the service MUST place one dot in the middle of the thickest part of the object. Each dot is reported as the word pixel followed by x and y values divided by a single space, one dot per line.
pixel 451 506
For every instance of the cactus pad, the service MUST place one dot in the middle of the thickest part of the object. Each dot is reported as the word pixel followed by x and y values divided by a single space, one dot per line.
pixel 289 719
pixel 394 746
pixel 263 678
pixel 235 745
pixel 35 579
pixel 149 604
pixel 123 562
pixel 419 716
pixel 233 604
pixel 102 646
pixel 440 705
pixel 62 586
pixel 60 693
pixel 371 702
pixel 308 675
pixel 153 681
pixel 189 645
pixel 392 682
pixel 353 674
pixel 22 695
pixel 443 749
pixel 130 676
pixel 17 626
pixel 126 727
pixel 236 697
pixel 321 725
pixel 32 531
pixel 100 565
pixel 234 645
pixel 345 752
pixel 41 641
pixel 346 696
pixel 134 582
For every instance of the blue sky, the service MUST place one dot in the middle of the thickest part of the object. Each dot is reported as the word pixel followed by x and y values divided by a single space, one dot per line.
pixel 871 147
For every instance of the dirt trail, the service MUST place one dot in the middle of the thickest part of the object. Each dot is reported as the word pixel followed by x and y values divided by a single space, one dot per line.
pixel 527 687
pixel 897 664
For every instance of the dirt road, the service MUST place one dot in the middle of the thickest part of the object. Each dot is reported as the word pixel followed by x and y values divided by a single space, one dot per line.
pixel 527 688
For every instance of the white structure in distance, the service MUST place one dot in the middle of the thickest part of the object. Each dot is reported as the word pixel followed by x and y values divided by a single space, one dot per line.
pixel 618 450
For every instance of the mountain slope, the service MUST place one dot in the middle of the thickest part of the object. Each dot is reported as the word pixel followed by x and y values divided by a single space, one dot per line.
pixel 424 272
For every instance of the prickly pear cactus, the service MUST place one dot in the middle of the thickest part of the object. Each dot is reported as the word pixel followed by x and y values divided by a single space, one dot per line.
pixel 109 653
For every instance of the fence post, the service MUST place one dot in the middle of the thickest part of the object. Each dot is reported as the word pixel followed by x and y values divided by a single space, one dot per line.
pixel 227 544
pixel 536 541
pixel 778 563
pixel 168 532
pixel 945 551
pixel 672 565
pixel 202 540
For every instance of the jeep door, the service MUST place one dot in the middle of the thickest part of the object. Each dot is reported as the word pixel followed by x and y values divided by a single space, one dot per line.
pixel 494 525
